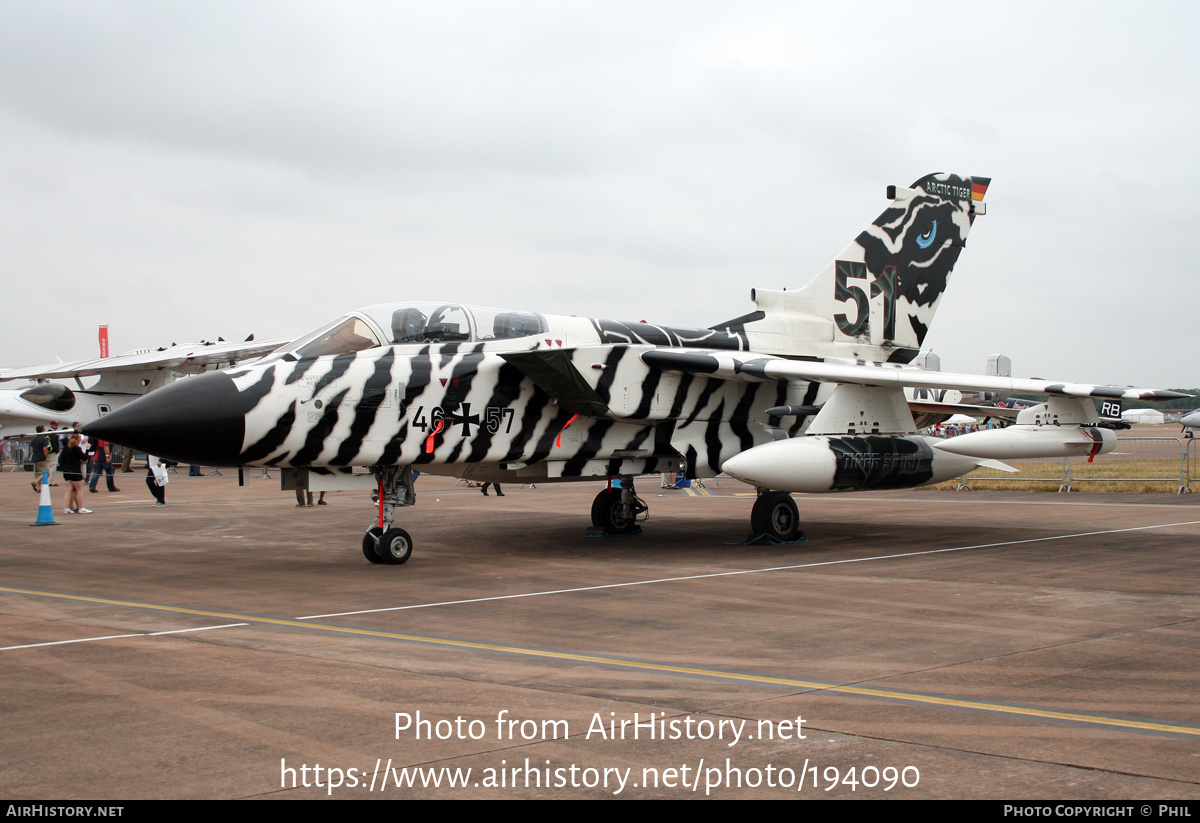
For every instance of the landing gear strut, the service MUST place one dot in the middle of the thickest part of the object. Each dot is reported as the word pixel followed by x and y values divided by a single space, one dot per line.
pixel 616 511
pixel 775 516
pixel 382 543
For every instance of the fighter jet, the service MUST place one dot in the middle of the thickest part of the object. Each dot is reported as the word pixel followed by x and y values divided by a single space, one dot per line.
pixel 1191 420
pixel 803 394
pixel 37 396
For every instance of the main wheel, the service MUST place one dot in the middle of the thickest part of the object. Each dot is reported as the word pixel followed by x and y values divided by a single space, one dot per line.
pixel 369 544
pixel 395 547
pixel 610 515
pixel 775 514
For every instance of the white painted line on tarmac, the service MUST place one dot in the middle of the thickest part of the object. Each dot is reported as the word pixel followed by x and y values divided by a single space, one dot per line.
pixel 64 642
pixel 749 571
pixel 197 629
pixel 120 636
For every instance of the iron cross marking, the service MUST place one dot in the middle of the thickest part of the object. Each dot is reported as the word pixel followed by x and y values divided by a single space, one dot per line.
pixel 466 419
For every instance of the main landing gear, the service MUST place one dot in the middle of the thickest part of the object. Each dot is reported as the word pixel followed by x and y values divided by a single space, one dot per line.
pixel 382 543
pixel 775 516
pixel 616 511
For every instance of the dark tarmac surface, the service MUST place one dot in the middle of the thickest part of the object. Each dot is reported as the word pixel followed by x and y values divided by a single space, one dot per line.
pixel 972 645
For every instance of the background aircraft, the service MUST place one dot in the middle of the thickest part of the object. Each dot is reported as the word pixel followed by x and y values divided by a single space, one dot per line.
pixel 1191 420
pixel 33 396
pixel 804 393
pixel 930 407
pixel 933 406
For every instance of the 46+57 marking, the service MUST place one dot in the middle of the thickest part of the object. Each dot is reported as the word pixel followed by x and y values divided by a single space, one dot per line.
pixel 494 417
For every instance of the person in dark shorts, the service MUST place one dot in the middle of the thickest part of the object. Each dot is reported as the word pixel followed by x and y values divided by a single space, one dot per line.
pixel 70 462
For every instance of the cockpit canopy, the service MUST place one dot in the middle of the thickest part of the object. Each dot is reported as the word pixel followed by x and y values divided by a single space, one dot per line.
pixel 52 396
pixel 391 324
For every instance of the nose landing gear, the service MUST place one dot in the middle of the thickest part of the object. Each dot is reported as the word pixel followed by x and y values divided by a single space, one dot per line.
pixel 383 544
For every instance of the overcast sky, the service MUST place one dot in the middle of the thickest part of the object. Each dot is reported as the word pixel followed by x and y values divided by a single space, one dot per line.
pixel 182 170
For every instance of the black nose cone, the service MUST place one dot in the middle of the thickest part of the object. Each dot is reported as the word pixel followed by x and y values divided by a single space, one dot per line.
pixel 196 420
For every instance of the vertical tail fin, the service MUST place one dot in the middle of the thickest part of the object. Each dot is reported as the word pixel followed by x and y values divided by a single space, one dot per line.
pixel 884 288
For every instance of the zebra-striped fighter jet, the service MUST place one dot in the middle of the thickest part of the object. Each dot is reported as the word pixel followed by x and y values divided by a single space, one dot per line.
pixel 804 393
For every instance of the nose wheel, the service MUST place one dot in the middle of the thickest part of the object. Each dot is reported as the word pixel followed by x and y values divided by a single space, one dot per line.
pixel 394 547
pixel 391 547
pixel 370 541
